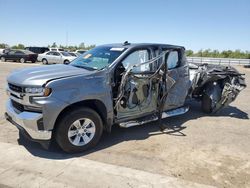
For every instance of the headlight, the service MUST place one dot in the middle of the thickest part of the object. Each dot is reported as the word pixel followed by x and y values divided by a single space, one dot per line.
pixel 34 90
pixel 38 90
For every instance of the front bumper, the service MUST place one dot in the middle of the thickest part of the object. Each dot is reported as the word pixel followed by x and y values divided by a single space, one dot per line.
pixel 27 122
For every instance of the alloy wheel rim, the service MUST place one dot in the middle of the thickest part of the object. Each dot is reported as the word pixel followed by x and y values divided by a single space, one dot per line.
pixel 81 132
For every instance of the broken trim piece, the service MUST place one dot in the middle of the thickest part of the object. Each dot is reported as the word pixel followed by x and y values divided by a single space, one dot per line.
pixel 217 86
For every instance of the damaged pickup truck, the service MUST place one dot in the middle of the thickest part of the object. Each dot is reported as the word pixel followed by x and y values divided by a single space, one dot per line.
pixel 123 84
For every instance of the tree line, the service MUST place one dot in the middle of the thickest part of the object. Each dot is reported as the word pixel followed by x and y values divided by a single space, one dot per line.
pixel 190 53
pixel 219 54
pixel 81 46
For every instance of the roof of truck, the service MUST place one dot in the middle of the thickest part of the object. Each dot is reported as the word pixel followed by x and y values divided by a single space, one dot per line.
pixel 132 45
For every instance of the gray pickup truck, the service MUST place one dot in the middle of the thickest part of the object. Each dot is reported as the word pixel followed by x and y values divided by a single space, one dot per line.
pixel 116 84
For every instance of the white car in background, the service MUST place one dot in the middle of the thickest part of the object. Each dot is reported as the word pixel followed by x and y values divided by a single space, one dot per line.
pixel 74 54
pixel 55 57
pixel 57 49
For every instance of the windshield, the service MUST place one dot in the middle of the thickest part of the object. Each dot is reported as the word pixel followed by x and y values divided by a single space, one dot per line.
pixel 97 58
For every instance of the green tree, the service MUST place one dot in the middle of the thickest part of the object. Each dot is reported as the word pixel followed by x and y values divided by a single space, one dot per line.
pixel 215 53
pixel 206 53
pixel 90 47
pixel 199 53
pixel 54 45
pixel 224 54
pixel 19 46
pixel 3 45
pixel 189 52
pixel 82 45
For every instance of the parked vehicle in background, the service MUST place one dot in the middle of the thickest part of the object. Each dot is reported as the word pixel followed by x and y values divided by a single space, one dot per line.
pixel 37 50
pixel 2 51
pixel 19 55
pixel 81 51
pixel 125 84
pixel 57 49
pixel 74 54
pixel 52 57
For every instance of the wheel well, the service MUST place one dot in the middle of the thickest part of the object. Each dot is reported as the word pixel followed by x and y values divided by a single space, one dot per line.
pixel 96 105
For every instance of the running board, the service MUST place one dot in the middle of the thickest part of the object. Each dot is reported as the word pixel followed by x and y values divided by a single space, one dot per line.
pixel 165 114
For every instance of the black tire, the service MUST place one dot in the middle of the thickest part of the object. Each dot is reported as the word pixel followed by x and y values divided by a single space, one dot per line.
pixel 62 128
pixel 33 61
pixel 66 62
pixel 45 61
pixel 206 104
pixel 22 60
pixel 3 59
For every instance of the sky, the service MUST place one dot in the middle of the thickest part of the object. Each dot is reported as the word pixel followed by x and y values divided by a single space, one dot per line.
pixel 195 24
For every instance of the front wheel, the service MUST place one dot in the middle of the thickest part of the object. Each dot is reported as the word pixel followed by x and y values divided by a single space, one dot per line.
pixel 45 62
pixel 79 130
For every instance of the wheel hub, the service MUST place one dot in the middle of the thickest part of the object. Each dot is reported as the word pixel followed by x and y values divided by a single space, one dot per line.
pixel 81 132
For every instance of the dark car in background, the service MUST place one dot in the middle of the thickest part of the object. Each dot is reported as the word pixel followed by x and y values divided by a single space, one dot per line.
pixel 37 50
pixel 19 55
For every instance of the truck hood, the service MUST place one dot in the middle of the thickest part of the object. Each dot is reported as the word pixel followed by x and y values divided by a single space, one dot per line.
pixel 38 76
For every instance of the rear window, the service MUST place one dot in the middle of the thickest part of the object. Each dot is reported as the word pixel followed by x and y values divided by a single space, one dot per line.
pixel 27 52
pixel 65 54
pixel 38 50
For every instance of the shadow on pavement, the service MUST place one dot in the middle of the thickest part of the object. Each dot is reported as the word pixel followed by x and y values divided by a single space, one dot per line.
pixel 174 127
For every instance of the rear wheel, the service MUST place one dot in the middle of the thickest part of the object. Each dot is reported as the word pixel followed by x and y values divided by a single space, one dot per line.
pixel 33 61
pixel 206 104
pixel 79 130
pixel 3 59
pixel 22 60
pixel 66 62
pixel 44 61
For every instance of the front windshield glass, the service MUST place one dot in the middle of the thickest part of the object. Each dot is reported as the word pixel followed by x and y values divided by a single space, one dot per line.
pixel 97 58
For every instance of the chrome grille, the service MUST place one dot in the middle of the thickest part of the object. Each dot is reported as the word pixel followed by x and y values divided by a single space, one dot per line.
pixel 15 88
